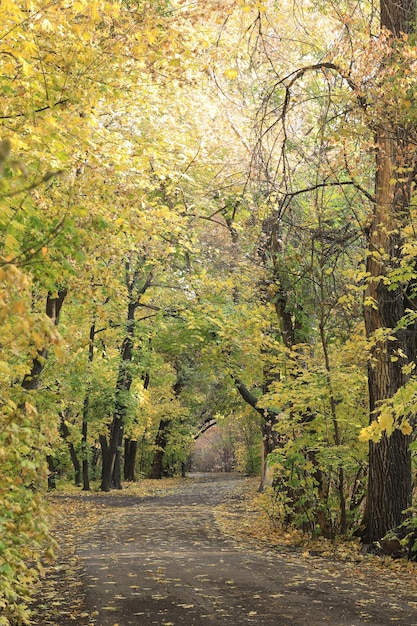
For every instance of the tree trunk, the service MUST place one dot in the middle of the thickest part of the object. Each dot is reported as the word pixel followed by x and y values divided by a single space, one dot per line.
pixel 111 462
pixel 52 471
pixel 131 447
pixel 31 380
pixel 104 452
pixel 74 458
pixel 390 484
pixel 157 468
pixel 270 438
pixel 53 311
pixel 86 476
pixel 86 404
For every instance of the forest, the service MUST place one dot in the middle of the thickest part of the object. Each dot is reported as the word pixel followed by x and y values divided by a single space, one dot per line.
pixel 207 218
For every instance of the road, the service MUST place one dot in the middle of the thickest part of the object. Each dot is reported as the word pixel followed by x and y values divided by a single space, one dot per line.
pixel 162 560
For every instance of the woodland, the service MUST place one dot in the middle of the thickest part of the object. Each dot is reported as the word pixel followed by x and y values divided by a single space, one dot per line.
pixel 207 218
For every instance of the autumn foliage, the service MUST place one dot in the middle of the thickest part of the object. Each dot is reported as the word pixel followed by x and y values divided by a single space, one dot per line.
pixel 193 218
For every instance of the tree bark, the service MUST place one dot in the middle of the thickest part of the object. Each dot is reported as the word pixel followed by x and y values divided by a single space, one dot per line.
pixel 270 438
pixel 73 454
pixel 131 447
pixel 31 380
pixel 111 462
pixel 86 404
pixel 390 484
pixel 53 311
pixel 157 467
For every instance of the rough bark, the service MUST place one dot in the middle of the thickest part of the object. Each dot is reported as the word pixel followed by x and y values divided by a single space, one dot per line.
pixel 398 16
pixel 390 485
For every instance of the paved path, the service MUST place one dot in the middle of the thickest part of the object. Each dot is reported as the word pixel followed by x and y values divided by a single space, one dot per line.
pixel 162 561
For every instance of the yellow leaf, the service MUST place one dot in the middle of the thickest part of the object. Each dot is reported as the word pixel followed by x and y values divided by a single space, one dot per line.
pixel 386 422
pixel 364 435
pixel 406 428
pixel 38 339
pixel 152 35
pixel 230 73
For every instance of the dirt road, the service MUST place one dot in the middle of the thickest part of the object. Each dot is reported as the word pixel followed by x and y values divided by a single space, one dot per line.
pixel 163 561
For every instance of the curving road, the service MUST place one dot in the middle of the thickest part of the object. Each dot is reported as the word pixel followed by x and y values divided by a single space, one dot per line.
pixel 163 561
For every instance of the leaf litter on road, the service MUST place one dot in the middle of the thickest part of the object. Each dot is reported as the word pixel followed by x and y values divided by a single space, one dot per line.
pixel 61 602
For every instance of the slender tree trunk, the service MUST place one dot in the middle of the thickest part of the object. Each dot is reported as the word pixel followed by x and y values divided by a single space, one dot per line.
pixel 270 437
pixel 157 467
pixel 104 452
pixel 111 462
pixel 51 472
pixel 53 311
pixel 131 447
pixel 86 404
pixel 73 454
pixel 86 476
pixel 390 484
pixel 31 380
pixel 336 429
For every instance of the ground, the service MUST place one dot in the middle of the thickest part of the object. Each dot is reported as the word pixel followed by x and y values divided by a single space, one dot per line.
pixel 188 551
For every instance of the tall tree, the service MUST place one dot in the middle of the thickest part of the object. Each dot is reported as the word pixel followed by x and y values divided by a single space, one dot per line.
pixel 389 297
pixel 136 284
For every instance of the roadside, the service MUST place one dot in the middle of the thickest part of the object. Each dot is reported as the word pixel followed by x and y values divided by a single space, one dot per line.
pixel 187 553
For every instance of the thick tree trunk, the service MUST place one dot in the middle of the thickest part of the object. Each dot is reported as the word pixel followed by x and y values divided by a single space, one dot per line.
pixel 104 452
pixel 398 16
pixel 390 485
pixel 86 474
pixel 131 446
pixel 52 471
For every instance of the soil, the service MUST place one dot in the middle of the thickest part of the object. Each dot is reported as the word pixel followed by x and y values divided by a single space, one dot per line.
pixel 163 560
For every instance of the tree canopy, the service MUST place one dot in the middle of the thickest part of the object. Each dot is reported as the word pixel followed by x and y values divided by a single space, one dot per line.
pixel 206 217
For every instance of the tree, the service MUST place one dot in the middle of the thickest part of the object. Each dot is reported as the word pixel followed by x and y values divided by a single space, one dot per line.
pixel 390 294
pixel 372 109
pixel 138 281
